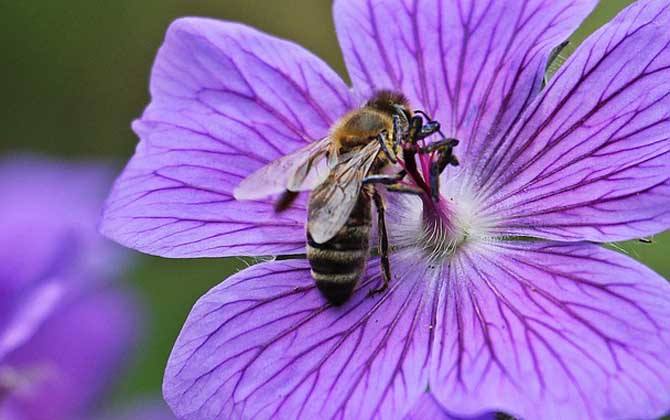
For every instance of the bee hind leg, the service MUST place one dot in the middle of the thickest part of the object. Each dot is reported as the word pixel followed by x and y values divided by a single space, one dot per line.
pixel 383 245
pixel 392 183
pixel 385 179
pixel 403 189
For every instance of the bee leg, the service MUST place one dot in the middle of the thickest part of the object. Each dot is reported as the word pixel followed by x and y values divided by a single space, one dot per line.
pixel 415 126
pixel 418 131
pixel 422 112
pixel 430 128
pixel 445 157
pixel 381 138
pixel 409 148
pixel 441 145
pixel 396 131
pixel 403 189
pixel 383 245
pixel 384 179
pixel 436 169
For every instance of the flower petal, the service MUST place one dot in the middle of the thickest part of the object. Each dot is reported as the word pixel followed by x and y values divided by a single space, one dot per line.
pixel 45 255
pixel 264 344
pixel 32 240
pixel 472 64
pixel 591 158
pixel 548 330
pixel 71 358
pixel 24 312
pixel 226 100
pixel 429 408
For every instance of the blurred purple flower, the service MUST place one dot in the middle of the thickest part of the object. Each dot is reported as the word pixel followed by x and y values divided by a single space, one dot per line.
pixel 64 331
pixel 556 327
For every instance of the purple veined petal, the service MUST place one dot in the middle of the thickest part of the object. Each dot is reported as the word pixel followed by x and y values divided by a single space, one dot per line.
pixel 71 358
pixel 591 157
pixel 472 64
pixel 264 344
pixel 551 330
pixel 226 100
pixel 427 407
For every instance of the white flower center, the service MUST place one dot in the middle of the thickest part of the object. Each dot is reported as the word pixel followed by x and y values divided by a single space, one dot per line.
pixel 439 229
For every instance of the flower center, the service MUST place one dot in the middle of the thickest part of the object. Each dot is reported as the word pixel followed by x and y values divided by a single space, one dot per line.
pixel 446 217
pixel 441 233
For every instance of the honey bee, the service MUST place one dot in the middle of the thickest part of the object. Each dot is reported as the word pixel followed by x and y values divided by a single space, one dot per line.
pixel 341 171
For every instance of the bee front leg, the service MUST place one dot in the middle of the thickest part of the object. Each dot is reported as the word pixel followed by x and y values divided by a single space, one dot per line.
pixel 443 145
pixel 396 132
pixel 383 244
pixel 445 157
pixel 381 138
pixel 415 128
pixel 431 127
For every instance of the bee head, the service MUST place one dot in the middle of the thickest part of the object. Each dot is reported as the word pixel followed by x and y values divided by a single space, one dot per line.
pixel 390 102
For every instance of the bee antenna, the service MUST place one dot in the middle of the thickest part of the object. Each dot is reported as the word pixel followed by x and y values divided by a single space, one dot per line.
pixel 422 112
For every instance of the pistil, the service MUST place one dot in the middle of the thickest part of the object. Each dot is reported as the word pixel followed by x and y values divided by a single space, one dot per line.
pixel 440 234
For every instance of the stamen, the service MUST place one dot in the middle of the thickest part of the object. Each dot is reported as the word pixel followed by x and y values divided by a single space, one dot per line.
pixel 440 234
pixel 443 224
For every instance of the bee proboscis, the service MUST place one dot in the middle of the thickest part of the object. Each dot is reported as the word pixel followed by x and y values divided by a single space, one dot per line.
pixel 342 171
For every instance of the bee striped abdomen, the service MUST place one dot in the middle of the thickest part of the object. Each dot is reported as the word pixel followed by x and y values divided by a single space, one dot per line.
pixel 338 263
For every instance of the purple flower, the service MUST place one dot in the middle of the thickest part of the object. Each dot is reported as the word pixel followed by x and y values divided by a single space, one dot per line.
pixel 64 330
pixel 477 313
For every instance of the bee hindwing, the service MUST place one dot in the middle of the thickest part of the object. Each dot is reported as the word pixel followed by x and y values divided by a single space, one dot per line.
pixel 331 203
pixel 301 170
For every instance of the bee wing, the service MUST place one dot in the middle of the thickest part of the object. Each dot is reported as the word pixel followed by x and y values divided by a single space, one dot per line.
pixel 301 170
pixel 332 201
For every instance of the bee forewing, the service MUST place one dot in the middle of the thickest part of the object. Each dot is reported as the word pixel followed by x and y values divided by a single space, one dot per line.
pixel 301 170
pixel 332 201
pixel 308 175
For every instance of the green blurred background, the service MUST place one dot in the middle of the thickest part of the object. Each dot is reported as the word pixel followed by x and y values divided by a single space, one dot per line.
pixel 73 76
